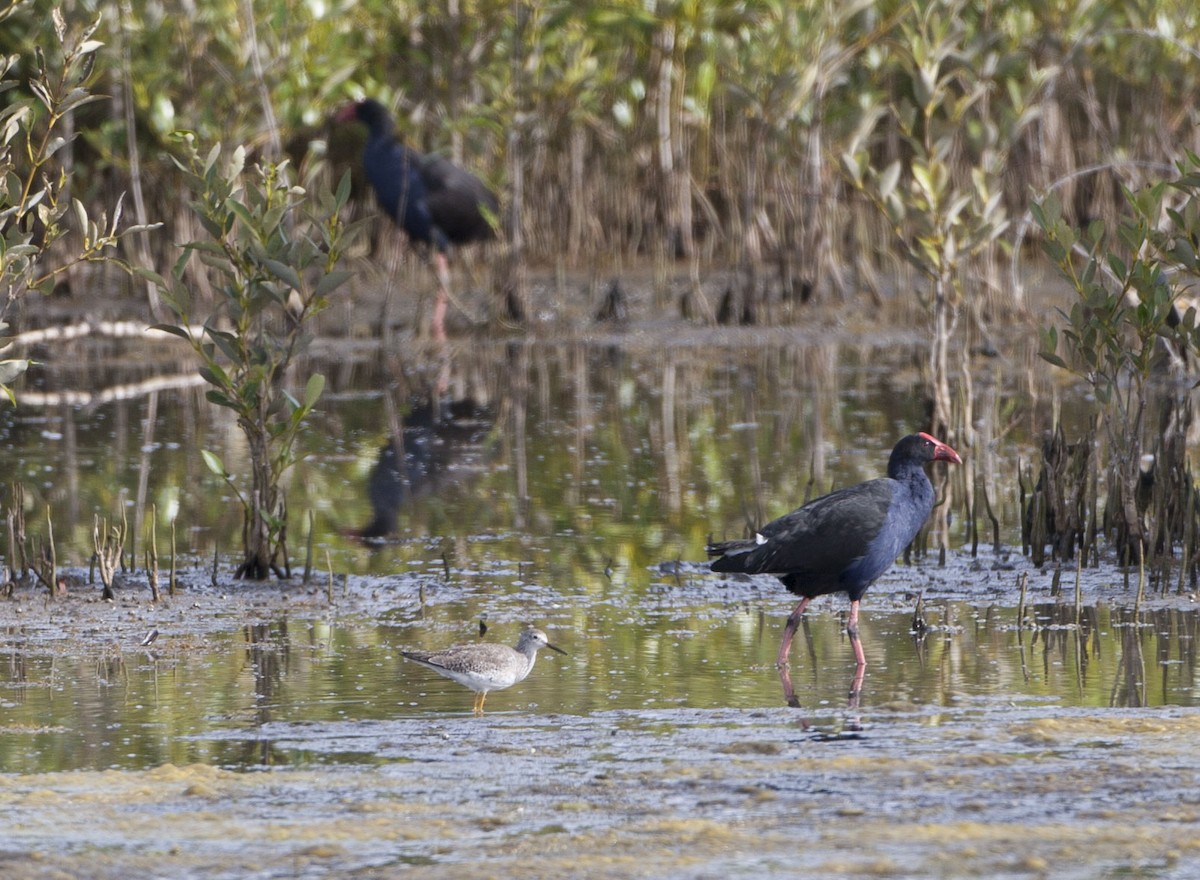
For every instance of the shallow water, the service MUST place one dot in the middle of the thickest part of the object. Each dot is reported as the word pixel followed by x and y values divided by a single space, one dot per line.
pixel 582 455
pixel 105 701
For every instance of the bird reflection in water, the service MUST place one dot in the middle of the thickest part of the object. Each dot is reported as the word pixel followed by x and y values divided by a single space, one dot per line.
pixel 434 448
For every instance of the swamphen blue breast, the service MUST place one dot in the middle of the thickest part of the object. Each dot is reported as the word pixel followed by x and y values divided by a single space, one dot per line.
pixel 842 542
pixel 434 201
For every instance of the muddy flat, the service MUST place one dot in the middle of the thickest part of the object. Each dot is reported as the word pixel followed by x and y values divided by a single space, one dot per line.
pixel 981 790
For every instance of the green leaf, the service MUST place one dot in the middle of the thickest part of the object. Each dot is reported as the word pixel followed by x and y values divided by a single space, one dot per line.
pixel 343 191
pixel 923 177
pixel 214 375
pixel 214 463
pixel 212 157
pixel 332 282
pixel 226 342
pixel 149 275
pixel 312 391
pixel 11 369
pixel 172 329
pixel 241 212
pixel 888 180
pixel 284 273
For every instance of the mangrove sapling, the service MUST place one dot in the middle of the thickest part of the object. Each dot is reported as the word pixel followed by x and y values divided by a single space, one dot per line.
pixel 271 253
pixel 960 110
pixel 1129 327
pixel 35 210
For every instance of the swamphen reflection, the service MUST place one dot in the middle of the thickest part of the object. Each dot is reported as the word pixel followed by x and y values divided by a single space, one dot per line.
pixel 441 445
pixel 433 200
pixel 842 542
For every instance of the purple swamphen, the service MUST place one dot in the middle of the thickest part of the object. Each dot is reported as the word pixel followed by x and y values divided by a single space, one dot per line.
pixel 435 202
pixel 842 542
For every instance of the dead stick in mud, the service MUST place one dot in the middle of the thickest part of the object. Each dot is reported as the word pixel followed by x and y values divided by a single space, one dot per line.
pixel 329 587
pixel 216 561
pixel 18 559
pixel 1189 534
pixel 308 549
pixel 1023 582
pixel 987 506
pixel 152 556
pixel 1078 590
pixel 109 547
pixel 52 556
pixel 973 512
pixel 1137 603
pixel 12 545
pixel 126 536
pixel 171 582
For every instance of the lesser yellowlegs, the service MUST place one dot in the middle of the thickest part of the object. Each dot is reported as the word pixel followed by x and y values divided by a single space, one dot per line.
pixel 482 666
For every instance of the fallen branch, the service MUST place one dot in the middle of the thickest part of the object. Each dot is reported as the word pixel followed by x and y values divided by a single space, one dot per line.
pixel 125 391
pixel 111 329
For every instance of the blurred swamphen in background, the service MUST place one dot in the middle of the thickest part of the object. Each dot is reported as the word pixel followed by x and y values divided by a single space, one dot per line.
pixel 433 200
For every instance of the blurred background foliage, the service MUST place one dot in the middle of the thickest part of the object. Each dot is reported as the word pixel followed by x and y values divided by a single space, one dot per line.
pixel 660 128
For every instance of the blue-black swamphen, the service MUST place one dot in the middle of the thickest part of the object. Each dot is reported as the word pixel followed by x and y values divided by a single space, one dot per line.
pixel 842 542
pixel 433 200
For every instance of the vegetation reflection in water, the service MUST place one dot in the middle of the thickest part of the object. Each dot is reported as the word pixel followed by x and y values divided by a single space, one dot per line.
pixel 208 703
pixel 594 456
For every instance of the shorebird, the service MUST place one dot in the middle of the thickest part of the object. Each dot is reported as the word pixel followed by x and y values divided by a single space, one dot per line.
pixel 483 666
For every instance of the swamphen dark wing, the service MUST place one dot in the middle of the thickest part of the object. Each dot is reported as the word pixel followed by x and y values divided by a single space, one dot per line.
pixel 843 541
pixel 461 205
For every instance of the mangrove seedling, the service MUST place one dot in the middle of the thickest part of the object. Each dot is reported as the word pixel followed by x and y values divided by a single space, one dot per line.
pixel 271 254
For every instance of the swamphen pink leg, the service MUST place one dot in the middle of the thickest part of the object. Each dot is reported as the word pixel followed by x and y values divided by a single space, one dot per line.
pixel 789 631
pixel 859 657
pixel 781 660
pixel 443 296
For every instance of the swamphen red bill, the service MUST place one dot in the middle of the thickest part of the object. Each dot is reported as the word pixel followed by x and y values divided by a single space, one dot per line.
pixel 842 542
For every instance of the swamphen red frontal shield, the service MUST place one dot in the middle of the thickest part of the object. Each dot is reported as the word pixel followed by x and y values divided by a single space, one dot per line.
pixel 842 542
pixel 434 201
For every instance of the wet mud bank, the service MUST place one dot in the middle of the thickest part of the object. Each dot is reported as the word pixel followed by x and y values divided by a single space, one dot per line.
pixel 983 789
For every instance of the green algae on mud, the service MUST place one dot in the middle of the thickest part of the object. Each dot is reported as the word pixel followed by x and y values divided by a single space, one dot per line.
pixel 641 794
